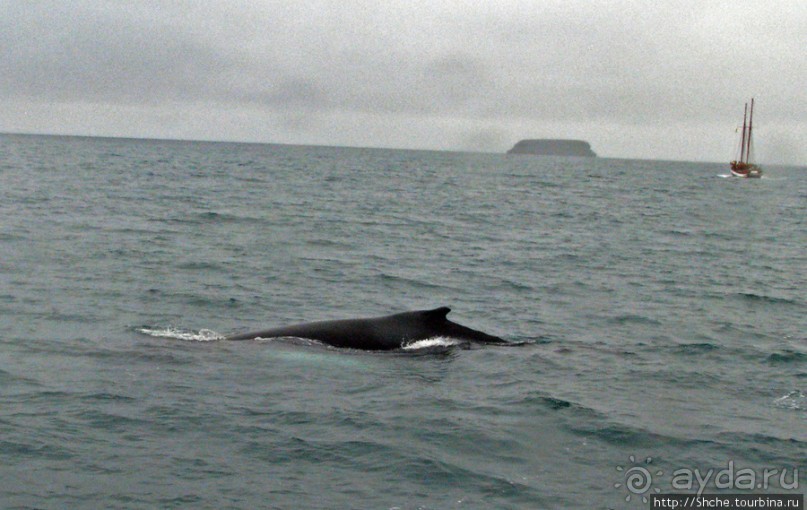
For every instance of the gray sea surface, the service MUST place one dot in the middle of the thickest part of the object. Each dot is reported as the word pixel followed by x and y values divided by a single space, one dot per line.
pixel 662 306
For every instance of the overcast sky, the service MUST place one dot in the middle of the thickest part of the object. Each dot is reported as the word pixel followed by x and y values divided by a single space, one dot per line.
pixel 650 79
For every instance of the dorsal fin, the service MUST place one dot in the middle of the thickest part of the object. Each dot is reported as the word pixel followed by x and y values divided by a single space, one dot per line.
pixel 437 313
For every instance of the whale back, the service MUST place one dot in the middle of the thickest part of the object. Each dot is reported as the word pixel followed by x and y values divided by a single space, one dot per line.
pixel 378 333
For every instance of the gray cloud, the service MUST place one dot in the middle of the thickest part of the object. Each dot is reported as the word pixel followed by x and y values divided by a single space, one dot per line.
pixel 58 54
pixel 398 73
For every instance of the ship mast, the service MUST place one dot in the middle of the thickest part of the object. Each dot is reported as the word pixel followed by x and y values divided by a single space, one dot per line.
pixel 750 126
pixel 742 144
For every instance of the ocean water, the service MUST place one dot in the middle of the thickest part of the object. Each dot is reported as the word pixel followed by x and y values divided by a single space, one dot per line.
pixel 662 307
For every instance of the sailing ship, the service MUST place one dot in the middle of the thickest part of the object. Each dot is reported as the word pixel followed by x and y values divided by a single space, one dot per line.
pixel 742 166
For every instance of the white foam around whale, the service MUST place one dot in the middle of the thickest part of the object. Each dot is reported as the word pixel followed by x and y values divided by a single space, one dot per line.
pixel 203 335
pixel 438 341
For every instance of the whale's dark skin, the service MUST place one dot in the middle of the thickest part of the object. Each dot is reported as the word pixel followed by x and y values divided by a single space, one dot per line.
pixel 378 333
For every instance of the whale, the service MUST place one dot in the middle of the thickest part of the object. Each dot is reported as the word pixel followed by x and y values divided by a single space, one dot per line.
pixel 388 332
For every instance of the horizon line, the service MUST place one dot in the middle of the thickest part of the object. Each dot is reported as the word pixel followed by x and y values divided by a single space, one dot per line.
pixel 285 144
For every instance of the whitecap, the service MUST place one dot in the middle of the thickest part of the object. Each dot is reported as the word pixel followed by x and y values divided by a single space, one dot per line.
pixel 795 400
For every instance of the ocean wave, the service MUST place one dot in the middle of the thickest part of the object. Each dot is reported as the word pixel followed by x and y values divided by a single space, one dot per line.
pixel 5 236
pixel 551 403
pixel 6 377
pixel 415 282
pixel 35 449
pixel 112 422
pixel 619 434
pixel 208 218
pixel 787 356
pixel 625 435
pixel 634 318
pixel 107 397
pixel 750 296
pixel 199 265
pixel 195 299
pixel 695 348
pixel 754 441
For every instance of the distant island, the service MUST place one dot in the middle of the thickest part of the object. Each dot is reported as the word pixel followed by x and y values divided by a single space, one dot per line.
pixel 548 147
